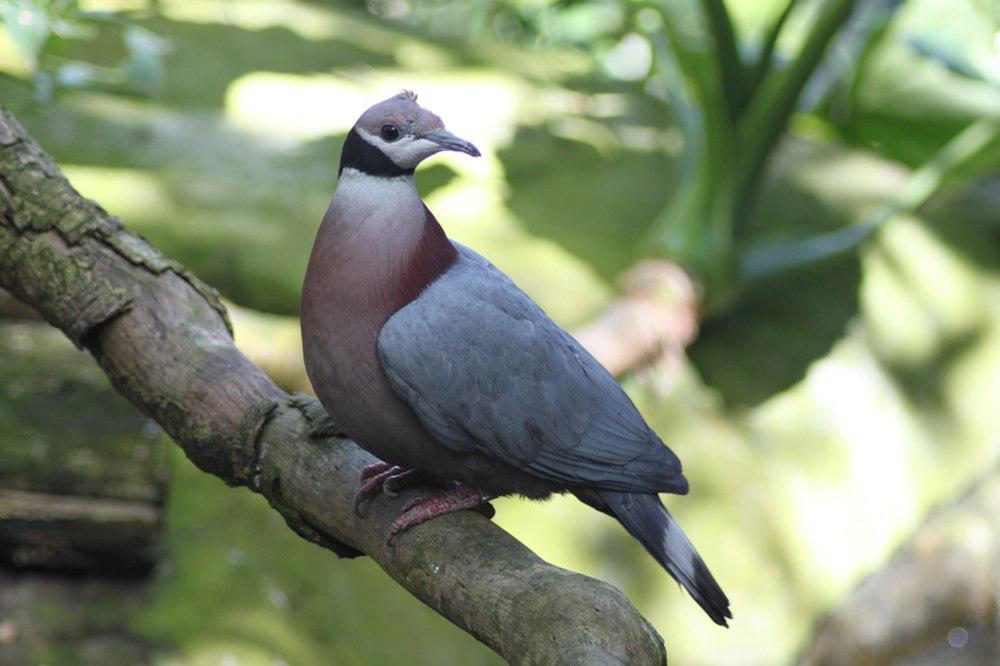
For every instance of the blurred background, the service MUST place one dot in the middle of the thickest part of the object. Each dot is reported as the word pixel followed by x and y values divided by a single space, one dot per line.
pixel 821 178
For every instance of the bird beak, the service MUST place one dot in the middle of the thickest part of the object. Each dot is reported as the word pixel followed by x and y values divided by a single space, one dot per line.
pixel 449 141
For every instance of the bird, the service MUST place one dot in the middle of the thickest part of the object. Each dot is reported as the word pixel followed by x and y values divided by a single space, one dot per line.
pixel 432 359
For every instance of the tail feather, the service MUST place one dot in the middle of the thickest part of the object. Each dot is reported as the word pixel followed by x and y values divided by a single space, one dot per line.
pixel 646 519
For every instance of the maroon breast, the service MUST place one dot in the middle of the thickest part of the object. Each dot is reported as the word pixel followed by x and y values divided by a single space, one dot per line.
pixel 357 278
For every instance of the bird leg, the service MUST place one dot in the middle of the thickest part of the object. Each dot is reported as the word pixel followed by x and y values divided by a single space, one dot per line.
pixel 382 477
pixel 421 509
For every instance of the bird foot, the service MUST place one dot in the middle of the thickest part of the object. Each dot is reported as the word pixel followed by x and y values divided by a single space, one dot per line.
pixel 422 509
pixel 382 477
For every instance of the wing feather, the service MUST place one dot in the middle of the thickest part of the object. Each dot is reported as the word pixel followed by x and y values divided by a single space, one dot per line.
pixel 485 369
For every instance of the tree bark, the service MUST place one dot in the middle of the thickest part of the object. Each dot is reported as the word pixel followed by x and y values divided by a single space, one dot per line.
pixel 165 341
pixel 11 308
pixel 942 587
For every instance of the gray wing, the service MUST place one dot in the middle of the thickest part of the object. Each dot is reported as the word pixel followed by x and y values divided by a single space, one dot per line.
pixel 486 370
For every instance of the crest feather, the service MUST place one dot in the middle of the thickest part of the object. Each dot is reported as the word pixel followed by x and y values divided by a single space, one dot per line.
pixel 408 94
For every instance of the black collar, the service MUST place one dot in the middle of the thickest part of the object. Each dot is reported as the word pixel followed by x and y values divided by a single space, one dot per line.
pixel 366 158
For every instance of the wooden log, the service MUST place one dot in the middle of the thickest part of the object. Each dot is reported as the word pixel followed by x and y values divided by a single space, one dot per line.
pixel 83 477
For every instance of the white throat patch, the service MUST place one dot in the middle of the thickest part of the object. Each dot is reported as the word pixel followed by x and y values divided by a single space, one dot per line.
pixel 362 193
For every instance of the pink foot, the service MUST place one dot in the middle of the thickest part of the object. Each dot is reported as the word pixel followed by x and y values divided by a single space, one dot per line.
pixel 375 468
pixel 422 509
pixel 382 477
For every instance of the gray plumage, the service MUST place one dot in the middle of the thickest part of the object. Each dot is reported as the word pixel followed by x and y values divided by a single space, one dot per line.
pixel 486 370
pixel 432 359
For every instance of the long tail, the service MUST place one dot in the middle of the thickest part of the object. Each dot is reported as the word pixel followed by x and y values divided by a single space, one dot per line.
pixel 645 517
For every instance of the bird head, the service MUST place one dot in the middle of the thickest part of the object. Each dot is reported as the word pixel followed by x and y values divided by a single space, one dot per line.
pixel 394 136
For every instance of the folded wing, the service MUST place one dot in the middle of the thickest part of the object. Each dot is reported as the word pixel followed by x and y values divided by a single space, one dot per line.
pixel 485 369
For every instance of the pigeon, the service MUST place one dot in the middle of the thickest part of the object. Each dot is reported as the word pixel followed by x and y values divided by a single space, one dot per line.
pixel 436 363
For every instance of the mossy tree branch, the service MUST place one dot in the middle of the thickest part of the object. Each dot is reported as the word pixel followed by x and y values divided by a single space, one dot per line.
pixel 164 340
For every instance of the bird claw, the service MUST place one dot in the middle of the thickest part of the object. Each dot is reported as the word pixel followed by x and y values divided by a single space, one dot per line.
pixel 396 483
pixel 422 509
pixel 388 479
pixel 391 479
pixel 368 471
pixel 373 477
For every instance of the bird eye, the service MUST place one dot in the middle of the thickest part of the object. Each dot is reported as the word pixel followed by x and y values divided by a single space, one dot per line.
pixel 390 132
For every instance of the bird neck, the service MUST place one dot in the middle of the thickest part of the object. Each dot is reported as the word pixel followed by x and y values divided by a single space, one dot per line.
pixel 362 197
pixel 379 243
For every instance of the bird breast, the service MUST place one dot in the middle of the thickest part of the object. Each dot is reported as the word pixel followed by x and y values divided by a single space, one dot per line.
pixel 377 249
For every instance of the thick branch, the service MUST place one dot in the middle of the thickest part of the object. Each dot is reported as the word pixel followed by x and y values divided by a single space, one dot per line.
pixel 163 339
pixel 944 578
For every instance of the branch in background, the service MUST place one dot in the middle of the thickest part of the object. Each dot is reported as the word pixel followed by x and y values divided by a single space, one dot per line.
pixel 50 618
pixel 85 489
pixel 942 586
pixel 163 338
pixel 655 314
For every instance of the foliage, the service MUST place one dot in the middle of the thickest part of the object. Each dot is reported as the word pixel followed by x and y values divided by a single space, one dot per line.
pixel 42 30
pixel 734 99
pixel 734 110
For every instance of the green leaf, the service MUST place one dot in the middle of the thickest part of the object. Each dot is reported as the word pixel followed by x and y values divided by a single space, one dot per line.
pixel 962 153
pixel 835 81
pixel 28 25
pixel 774 102
pixel 144 68
pixel 766 340
pixel 951 57
pixel 696 227
pixel 763 64
pixel 731 70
